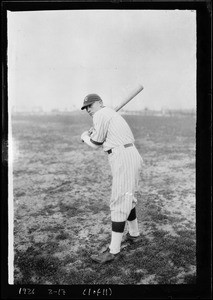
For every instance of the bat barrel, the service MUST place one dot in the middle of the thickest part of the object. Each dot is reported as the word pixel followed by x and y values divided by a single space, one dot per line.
pixel 134 93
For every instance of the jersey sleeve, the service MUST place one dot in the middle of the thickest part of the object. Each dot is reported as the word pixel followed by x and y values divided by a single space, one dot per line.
pixel 99 129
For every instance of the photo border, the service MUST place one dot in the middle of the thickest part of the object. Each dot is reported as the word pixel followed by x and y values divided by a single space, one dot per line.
pixel 202 289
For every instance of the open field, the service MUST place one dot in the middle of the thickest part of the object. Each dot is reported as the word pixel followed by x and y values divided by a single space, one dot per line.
pixel 61 194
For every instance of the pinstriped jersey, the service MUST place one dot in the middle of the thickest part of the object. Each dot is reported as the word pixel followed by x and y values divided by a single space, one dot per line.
pixel 110 129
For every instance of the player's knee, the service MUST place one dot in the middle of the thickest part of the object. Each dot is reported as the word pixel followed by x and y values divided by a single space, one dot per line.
pixel 132 215
pixel 118 226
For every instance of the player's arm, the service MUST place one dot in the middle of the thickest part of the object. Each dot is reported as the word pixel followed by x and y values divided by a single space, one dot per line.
pixel 85 137
pixel 95 137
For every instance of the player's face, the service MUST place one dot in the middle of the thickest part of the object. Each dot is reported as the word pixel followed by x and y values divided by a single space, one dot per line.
pixel 92 108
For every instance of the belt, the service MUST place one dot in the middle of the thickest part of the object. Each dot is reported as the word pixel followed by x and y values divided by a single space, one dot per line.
pixel 125 146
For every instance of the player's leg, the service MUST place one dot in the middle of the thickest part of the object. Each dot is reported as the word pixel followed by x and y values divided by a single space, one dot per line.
pixel 132 223
pixel 116 236
pixel 133 162
pixel 117 218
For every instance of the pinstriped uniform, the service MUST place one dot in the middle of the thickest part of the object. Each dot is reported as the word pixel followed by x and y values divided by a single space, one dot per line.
pixel 110 129
pixel 113 132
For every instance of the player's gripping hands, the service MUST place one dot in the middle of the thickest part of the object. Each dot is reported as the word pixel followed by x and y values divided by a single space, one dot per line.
pixel 85 135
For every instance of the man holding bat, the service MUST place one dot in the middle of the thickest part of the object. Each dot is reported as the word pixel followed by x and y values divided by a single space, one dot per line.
pixel 112 132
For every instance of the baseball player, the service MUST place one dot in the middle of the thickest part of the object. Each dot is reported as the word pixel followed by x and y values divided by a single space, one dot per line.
pixel 112 132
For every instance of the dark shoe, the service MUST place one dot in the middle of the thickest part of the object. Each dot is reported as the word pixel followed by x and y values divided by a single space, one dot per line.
pixel 132 239
pixel 104 257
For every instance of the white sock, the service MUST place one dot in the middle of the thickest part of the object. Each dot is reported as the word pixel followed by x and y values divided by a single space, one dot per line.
pixel 115 244
pixel 133 227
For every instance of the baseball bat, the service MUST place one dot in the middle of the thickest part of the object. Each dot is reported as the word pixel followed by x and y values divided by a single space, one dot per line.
pixel 128 98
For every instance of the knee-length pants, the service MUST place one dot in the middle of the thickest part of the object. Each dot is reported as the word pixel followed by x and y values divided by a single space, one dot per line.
pixel 125 164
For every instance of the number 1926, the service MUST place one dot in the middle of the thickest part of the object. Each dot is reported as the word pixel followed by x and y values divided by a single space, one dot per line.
pixel 26 291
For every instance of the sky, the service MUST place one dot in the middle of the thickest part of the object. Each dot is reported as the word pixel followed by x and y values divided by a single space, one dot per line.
pixel 56 58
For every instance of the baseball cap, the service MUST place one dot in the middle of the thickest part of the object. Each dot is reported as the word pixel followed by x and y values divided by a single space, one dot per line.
pixel 90 99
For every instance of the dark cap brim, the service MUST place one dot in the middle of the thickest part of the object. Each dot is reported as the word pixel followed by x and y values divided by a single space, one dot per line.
pixel 87 104
pixel 83 107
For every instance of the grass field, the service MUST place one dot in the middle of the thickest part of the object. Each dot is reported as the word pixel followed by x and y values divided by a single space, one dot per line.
pixel 61 194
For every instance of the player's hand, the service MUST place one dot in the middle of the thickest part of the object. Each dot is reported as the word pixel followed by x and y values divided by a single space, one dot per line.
pixel 85 133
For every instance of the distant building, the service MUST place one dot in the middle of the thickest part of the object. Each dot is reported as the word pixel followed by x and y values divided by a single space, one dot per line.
pixel 27 110
pixel 162 112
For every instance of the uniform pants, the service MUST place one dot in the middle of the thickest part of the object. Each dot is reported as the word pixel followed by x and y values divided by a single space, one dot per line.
pixel 125 164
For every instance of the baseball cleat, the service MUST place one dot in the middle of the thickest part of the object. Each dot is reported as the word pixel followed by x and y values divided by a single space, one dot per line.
pixel 132 239
pixel 105 257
